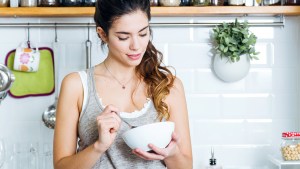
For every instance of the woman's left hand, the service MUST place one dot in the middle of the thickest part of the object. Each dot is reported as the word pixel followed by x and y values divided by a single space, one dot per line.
pixel 159 153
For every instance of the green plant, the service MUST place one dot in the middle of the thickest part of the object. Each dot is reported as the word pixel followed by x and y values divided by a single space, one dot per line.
pixel 233 40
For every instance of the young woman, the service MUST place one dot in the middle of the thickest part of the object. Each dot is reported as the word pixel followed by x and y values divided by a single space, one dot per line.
pixel 131 82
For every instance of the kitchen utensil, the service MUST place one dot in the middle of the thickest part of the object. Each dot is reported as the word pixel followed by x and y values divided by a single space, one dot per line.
pixel 49 115
pixel 6 80
pixel 130 126
pixel 88 45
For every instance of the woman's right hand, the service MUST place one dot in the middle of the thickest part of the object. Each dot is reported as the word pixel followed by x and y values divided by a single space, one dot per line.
pixel 108 123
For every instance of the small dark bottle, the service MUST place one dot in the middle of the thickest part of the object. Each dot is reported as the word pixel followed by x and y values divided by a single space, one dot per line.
pixel 213 161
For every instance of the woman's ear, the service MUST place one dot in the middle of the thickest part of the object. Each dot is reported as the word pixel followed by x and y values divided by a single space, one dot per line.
pixel 102 34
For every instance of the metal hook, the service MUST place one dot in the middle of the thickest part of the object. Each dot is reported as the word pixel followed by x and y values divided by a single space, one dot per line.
pixel 55 28
pixel 28 36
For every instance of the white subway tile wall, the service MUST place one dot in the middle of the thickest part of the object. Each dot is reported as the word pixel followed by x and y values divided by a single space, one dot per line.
pixel 243 120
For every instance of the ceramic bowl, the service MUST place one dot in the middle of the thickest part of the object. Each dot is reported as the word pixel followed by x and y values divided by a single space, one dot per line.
pixel 159 134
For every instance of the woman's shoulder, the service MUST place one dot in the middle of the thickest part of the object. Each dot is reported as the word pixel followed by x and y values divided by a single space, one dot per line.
pixel 72 82
pixel 177 85
pixel 71 77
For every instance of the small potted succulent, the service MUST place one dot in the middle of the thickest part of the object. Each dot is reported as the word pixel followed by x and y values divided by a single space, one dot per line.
pixel 235 47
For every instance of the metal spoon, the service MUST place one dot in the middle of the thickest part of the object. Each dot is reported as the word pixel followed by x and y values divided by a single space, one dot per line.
pixel 130 126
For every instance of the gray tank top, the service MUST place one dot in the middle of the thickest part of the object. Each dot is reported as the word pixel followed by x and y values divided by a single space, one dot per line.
pixel 119 155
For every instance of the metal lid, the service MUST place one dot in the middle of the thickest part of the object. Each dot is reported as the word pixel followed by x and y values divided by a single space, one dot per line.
pixel 290 134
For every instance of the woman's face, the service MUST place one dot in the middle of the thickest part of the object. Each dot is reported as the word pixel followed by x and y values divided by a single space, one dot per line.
pixel 128 38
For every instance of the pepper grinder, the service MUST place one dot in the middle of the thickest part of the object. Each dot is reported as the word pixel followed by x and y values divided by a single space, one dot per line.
pixel 213 161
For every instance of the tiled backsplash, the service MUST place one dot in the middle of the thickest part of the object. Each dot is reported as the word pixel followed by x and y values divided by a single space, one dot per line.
pixel 242 120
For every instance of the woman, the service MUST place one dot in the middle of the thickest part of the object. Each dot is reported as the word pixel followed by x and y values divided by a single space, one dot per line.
pixel 131 83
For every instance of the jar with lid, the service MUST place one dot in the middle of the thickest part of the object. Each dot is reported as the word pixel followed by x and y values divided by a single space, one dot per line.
pixel 290 146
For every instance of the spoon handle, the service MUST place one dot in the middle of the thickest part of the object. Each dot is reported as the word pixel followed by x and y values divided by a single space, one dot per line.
pixel 130 126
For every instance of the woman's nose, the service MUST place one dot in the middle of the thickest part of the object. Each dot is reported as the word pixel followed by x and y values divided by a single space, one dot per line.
pixel 135 44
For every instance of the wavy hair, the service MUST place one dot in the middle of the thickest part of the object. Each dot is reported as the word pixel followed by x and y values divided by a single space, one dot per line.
pixel 158 78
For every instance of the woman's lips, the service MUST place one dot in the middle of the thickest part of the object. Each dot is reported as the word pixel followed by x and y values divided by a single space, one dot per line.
pixel 134 56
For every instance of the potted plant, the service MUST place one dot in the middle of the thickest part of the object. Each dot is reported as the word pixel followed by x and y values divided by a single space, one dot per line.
pixel 235 47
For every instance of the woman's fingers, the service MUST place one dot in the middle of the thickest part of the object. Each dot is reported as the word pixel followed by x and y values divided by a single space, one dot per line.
pixel 147 156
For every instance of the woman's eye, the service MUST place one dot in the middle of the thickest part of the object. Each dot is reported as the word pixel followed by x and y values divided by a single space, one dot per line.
pixel 122 39
pixel 143 35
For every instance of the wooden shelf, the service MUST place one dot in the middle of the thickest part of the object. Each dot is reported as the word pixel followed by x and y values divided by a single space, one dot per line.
pixel 155 11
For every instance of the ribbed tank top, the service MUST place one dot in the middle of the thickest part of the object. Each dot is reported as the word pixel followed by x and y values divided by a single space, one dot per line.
pixel 119 155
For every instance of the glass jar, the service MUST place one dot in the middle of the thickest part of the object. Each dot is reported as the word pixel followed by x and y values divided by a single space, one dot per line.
pixel 236 2
pixel 169 2
pixel 201 2
pixel 72 2
pixel 217 2
pixel 89 2
pixel 185 3
pixel 28 3
pixel 271 2
pixel 4 3
pixel 154 2
pixel 48 3
pixel 290 146
pixel 292 2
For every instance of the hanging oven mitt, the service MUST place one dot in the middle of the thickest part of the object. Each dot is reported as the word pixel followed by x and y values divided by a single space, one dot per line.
pixel 26 59
pixel 40 83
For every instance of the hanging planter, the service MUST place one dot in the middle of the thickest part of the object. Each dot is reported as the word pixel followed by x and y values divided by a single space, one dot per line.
pixel 231 71
pixel 235 47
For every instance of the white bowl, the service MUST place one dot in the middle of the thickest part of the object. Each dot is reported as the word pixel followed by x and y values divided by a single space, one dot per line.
pixel 159 134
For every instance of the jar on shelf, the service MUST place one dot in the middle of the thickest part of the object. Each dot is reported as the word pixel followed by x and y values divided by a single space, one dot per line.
pixel 217 2
pixel 89 2
pixel 4 3
pixel 185 2
pixel 292 2
pixel 72 2
pixel 154 2
pixel 201 2
pixel 28 3
pixel 169 2
pixel 48 3
pixel 290 146
pixel 271 2
pixel 236 2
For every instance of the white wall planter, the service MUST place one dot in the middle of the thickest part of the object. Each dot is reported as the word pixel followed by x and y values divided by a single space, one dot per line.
pixel 231 71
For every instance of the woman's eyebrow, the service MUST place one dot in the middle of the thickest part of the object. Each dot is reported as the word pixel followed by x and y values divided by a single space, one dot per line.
pixel 127 33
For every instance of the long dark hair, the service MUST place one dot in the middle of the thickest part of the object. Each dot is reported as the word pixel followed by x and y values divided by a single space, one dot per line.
pixel 158 77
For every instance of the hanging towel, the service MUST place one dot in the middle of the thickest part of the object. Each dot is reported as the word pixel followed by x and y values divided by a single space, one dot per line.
pixel 40 83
